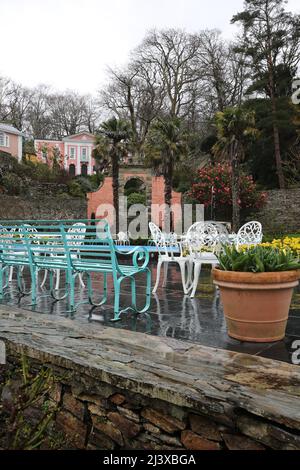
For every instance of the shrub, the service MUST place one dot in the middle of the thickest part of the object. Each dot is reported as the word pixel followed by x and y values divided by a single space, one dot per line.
pixel 96 180
pixel 218 177
pixel 41 172
pixel 85 183
pixel 75 189
pixel 136 198
pixel 12 183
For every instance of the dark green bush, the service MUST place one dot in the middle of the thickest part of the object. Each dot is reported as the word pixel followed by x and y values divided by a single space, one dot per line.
pixel 136 198
pixel 12 183
pixel 96 180
pixel 76 190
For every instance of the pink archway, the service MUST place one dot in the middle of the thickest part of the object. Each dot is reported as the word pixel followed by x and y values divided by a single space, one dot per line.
pixel 155 187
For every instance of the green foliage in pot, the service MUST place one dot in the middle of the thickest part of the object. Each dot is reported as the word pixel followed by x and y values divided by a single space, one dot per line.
pixel 257 259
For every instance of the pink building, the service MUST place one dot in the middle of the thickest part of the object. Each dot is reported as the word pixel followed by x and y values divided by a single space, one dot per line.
pixel 11 140
pixel 74 153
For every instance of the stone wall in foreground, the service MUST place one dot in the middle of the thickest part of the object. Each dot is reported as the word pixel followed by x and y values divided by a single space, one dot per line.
pixel 117 389
pixel 95 415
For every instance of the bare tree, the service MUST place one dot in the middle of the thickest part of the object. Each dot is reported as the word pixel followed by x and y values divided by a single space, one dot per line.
pixel 38 117
pixel 134 94
pixel 14 102
pixel 5 92
pixel 174 55
pixel 224 75
pixel 93 114
pixel 68 112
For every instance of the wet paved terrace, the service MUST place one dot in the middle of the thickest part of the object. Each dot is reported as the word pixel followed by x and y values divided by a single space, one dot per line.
pixel 171 314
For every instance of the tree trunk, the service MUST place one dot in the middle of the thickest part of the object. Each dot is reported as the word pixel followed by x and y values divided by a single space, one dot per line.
pixel 235 188
pixel 280 174
pixel 115 185
pixel 168 177
pixel 277 150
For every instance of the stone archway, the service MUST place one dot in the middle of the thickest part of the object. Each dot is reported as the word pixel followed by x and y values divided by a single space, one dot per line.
pixel 135 186
pixel 138 173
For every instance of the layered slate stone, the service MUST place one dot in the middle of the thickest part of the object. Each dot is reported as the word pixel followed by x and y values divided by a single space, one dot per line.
pixel 120 389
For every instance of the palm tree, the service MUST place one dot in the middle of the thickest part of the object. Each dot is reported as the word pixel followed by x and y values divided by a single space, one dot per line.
pixel 235 128
pixel 166 144
pixel 111 143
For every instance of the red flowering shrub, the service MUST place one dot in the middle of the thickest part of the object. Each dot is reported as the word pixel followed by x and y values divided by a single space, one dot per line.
pixel 217 179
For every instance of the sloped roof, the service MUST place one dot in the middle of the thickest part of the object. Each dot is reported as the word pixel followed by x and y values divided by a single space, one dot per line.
pixel 10 129
pixel 72 137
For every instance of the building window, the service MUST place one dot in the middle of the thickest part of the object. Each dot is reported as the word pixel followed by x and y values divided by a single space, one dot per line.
pixel 4 140
pixel 72 153
pixel 84 153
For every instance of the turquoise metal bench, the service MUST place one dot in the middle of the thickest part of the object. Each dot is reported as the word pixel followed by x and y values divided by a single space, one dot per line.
pixel 56 245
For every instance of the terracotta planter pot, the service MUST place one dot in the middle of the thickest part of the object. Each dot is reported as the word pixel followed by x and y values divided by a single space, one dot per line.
pixel 256 306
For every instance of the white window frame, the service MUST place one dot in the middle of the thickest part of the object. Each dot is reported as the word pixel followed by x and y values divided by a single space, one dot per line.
pixel 84 157
pixel 44 154
pixel 72 157
pixel 5 140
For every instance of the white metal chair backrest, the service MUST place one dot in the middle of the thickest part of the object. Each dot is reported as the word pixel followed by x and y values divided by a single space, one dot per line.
pixel 172 238
pixel 29 229
pixel 159 238
pixel 5 235
pixel 249 234
pixel 30 232
pixel 76 233
pixel 223 233
pixel 202 237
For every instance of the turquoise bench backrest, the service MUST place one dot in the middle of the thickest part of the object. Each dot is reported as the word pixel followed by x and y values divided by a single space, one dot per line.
pixel 93 250
pixel 58 244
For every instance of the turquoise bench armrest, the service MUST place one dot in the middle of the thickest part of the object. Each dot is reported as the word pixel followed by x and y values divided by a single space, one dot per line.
pixel 139 253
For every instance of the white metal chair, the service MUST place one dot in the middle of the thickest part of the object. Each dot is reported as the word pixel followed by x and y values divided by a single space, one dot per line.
pixel 167 254
pixel 17 232
pixel 203 240
pixel 223 234
pixel 249 234
pixel 123 238
pixel 76 234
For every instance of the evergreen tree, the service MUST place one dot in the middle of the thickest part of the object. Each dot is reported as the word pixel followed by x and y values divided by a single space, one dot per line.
pixel 270 42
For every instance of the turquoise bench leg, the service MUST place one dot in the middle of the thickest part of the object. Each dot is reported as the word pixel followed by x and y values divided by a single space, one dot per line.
pixel 71 290
pixel 2 274
pixel 117 312
pixel 148 293
pixel 91 292
pixel 133 293
pixel 34 287
pixel 133 307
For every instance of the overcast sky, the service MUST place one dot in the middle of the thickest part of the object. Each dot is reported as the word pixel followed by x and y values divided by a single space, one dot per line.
pixel 70 43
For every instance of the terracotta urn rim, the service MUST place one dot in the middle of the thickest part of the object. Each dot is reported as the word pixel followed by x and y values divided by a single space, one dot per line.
pixel 255 278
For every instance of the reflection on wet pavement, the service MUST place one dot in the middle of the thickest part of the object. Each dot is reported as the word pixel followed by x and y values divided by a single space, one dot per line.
pixel 172 314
